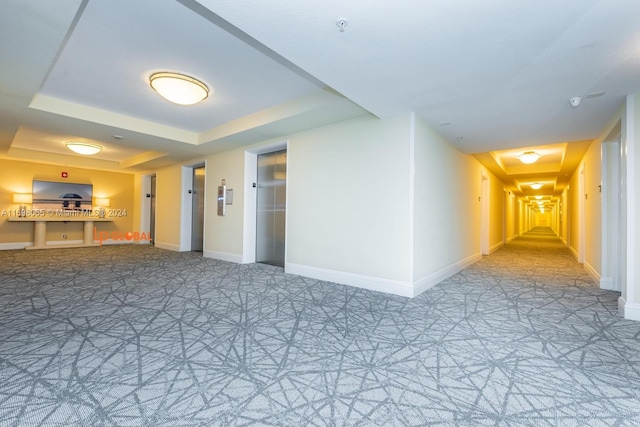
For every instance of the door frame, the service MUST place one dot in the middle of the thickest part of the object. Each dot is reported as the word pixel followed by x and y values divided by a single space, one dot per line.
pixel 186 208
pixel 204 196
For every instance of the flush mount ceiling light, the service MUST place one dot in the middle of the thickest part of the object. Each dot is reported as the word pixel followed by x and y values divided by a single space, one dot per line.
pixel 536 185
pixel 178 88
pixel 529 157
pixel 83 148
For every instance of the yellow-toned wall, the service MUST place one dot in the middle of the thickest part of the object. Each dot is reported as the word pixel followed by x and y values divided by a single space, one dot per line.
pixel 510 216
pixel 593 208
pixel 18 176
pixel 572 207
pixel 223 234
pixel 447 209
pixel 497 209
pixel 168 207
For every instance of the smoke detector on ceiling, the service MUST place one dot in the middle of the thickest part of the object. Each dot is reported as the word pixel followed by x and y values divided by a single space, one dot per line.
pixel 575 101
pixel 342 23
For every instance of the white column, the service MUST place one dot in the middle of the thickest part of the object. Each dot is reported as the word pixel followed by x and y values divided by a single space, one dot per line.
pixel 629 302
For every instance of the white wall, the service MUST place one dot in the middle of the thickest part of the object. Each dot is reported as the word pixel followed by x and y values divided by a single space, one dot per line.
pixel 348 204
pixel 447 208
pixel 388 205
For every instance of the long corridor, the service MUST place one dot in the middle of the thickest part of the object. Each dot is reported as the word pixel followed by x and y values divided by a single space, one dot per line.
pixel 136 335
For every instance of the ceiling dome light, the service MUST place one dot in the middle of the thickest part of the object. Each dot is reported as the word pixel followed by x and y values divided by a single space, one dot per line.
pixel 84 148
pixel 536 185
pixel 529 157
pixel 178 88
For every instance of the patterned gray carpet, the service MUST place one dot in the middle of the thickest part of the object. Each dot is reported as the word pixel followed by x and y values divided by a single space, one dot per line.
pixel 139 336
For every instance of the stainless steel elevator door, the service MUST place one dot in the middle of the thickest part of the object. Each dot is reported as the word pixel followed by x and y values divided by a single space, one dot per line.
pixel 271 208
pixel 197 210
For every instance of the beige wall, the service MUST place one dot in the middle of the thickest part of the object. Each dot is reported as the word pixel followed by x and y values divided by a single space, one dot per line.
pixel 17 177
pixel 593 210
pixel 352 216
pixel 496 216
pixel 447 209
pixel 348 200
pixel 223 235
pixel 572 208
pixel 168 207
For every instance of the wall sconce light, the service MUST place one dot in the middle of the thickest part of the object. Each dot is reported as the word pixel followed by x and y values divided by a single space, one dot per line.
pixel 529 157
pixel 22 199
pixel 101 203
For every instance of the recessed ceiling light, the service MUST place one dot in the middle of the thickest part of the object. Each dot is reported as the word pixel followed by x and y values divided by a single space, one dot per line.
pixel 179 88
pixel 529 157
pixel 83 148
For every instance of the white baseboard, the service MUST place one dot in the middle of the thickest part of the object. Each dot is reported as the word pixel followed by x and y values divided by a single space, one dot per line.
pixel 629 310
pixel 395 287
pixel 495 247
pixel 13 246
pixel 593 273
pixel 223 256
pixel 167 246
pixel 433 279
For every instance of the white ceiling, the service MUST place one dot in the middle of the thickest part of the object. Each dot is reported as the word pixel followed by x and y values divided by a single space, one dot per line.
pixel 490 76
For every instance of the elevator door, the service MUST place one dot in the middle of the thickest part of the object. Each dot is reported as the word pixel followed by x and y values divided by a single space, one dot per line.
pixel 271 208
pixel 197 209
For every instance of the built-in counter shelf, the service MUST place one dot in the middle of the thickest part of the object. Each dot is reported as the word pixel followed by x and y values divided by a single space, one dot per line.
pixel 40 230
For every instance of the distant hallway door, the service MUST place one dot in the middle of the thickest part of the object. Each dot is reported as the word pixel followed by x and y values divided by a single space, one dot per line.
pixel 271 208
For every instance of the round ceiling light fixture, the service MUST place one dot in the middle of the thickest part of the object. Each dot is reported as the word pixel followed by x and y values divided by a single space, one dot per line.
pixel 529 157
pixel 179 88
pixel 83 148
pixel 536 185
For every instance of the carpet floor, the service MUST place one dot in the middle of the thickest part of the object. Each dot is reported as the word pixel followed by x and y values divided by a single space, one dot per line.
pixel 133 335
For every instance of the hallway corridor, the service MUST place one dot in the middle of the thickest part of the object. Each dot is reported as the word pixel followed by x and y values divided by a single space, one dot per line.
pixel 136 335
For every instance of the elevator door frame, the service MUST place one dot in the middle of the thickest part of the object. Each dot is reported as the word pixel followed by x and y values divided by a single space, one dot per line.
pixel 197 209
pixel 250 202
pixel 271 208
